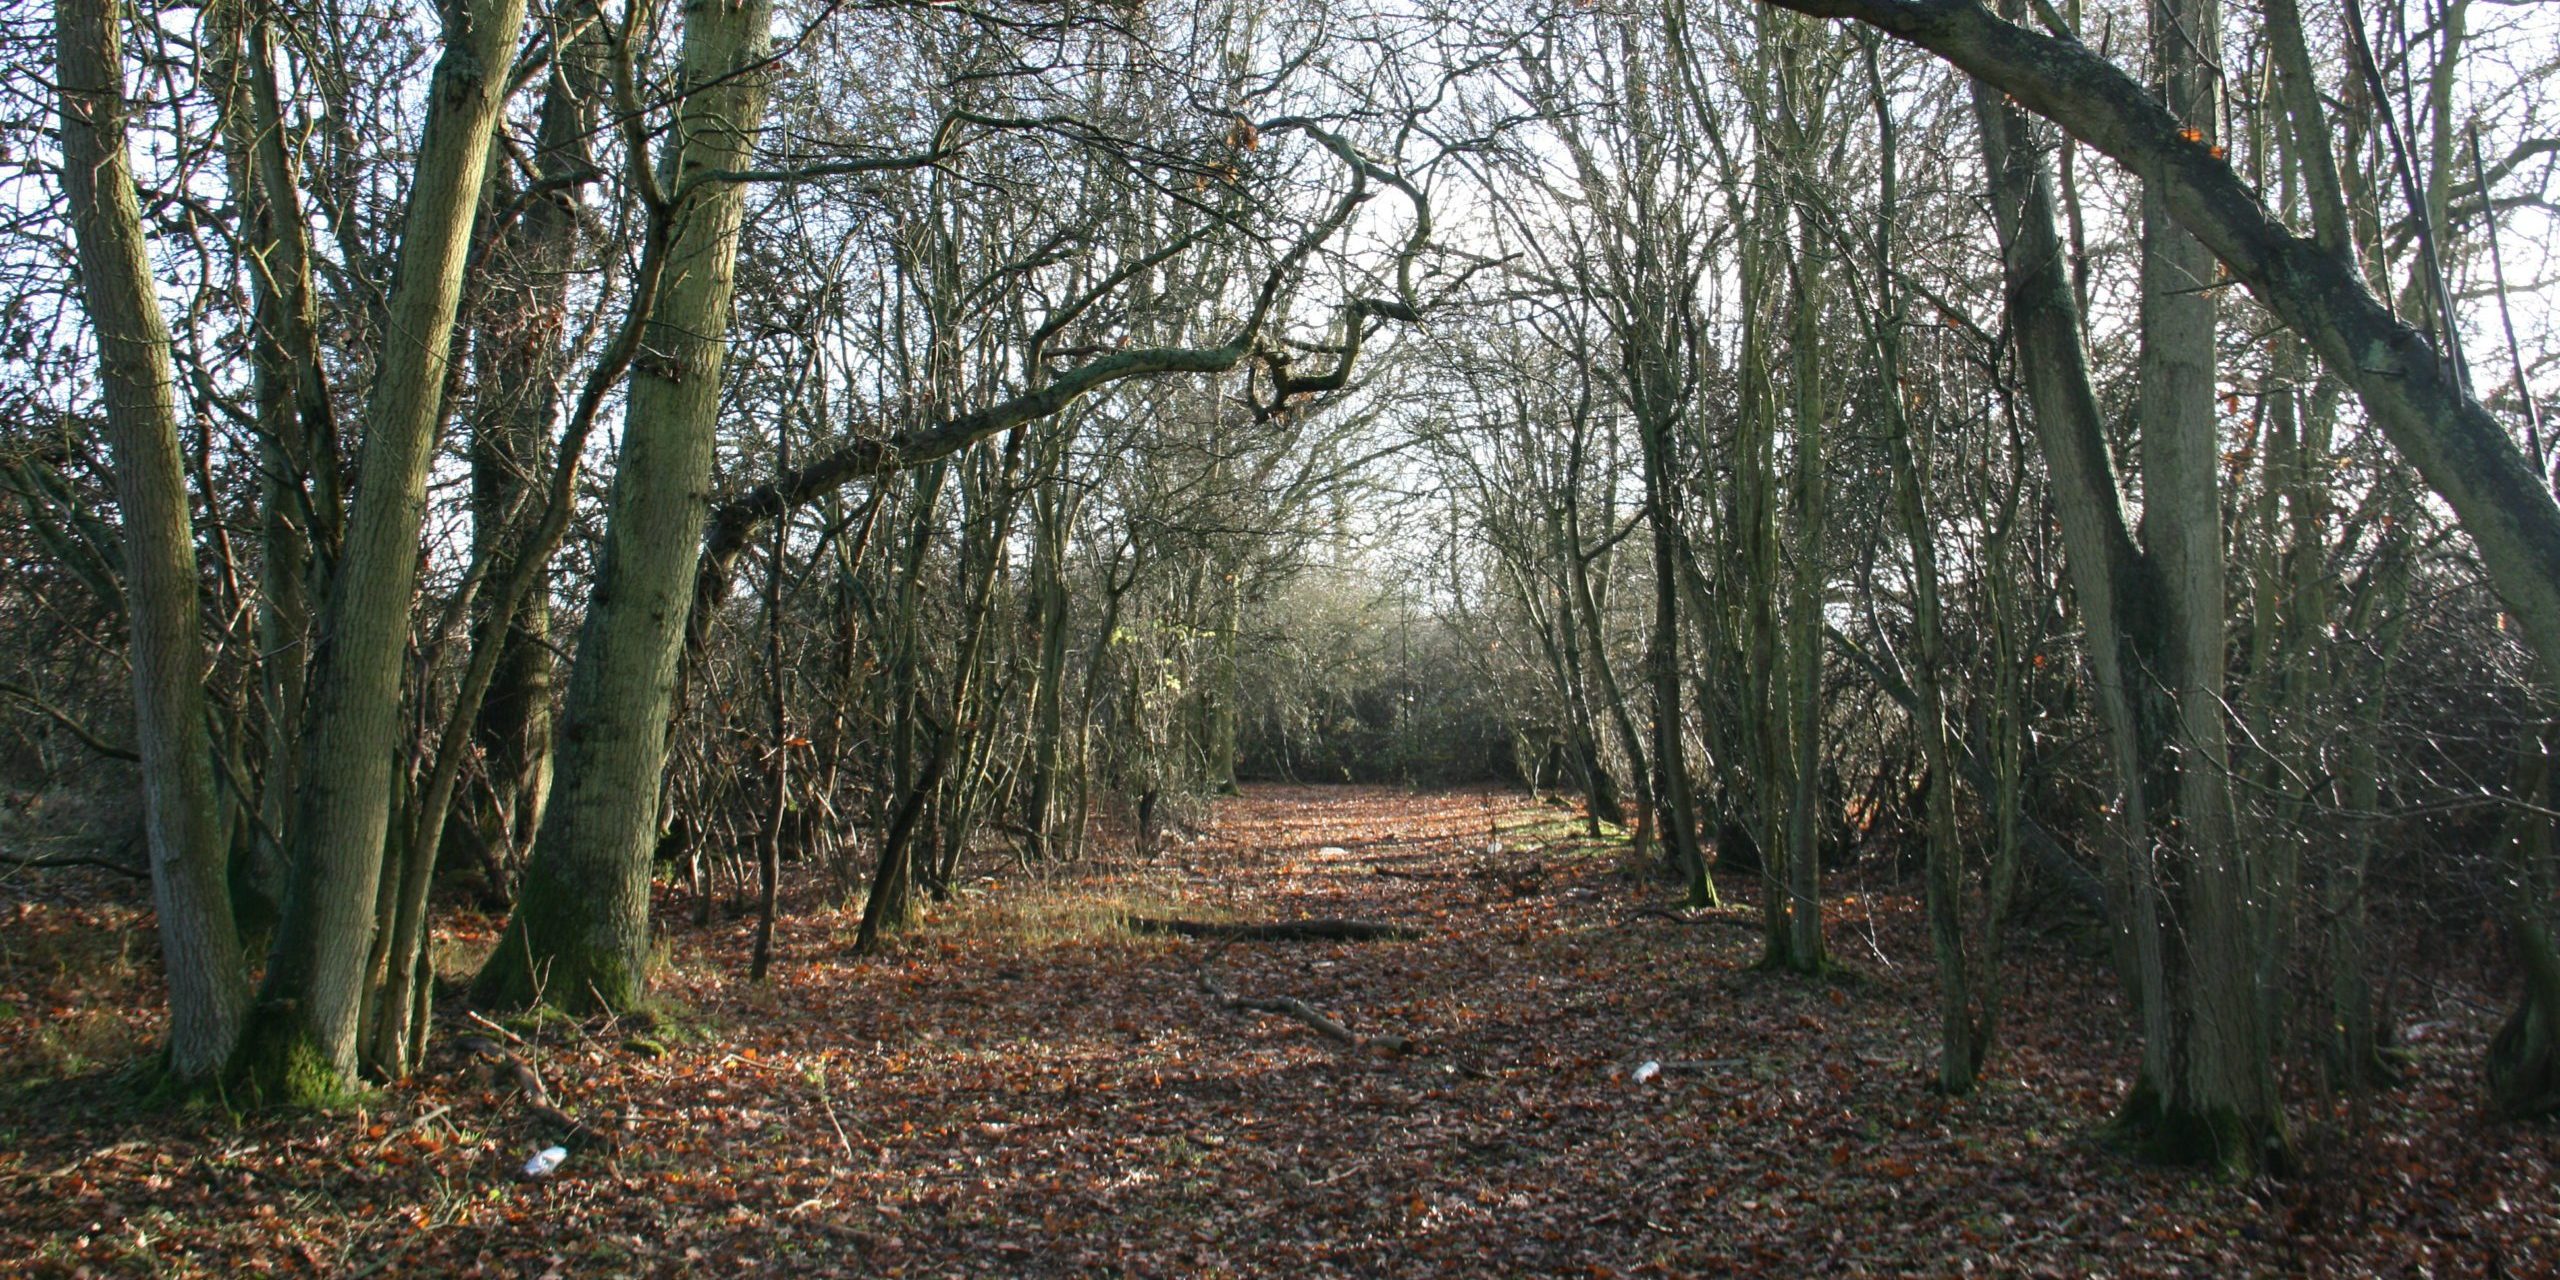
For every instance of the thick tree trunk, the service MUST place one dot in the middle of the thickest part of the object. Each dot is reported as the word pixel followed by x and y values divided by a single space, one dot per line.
pixel 2221 1106
pixel 579 936
pixel 199 945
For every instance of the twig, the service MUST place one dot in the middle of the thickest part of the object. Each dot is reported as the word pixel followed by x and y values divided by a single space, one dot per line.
pixel 88 737
pixel 829 1104
pixel 394 1135
pixel 94 1155
pixel 537 1099
pixel 476 1016
pixel 1291 1007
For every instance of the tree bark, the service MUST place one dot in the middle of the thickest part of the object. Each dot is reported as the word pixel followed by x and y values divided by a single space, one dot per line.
pixel 520 375
pixel 301 1041
pixel 579 935
pixel 2111 580
pixel 2220 1106
pixel 199 944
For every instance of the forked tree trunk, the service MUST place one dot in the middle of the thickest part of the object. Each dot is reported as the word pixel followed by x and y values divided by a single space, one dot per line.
pixel 300 1044
pixel 199 945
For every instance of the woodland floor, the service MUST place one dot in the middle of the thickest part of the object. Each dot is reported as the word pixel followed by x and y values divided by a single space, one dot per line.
pixel 1025 1088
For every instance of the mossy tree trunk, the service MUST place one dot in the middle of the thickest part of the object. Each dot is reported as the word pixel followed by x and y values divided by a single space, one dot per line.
pixel 579 935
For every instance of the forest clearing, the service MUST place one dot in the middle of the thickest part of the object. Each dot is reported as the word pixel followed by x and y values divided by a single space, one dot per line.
pixel 1023 1087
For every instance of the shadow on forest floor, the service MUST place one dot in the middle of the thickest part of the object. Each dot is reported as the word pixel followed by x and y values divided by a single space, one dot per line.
pixel 1024 1087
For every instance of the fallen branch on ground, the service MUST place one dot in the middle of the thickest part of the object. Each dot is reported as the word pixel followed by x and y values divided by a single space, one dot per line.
pixel 537 1099
pixel 75 860
pixel 1291 1007
pixel 1397 873
pixel 1284 931
pixel 1692 917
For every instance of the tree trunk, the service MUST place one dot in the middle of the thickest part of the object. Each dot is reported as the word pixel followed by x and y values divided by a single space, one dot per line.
pixel 1053 508
pixel 2221 1105
pixel 1804 951
pixel 2111 581
pixel 2523 1066
pixel 1673 796
pixel 301 1041
pixel 2402 378
pixel 291 425
pixel 1963 1040
pixel 579 936
pixel 199 944
pixel 520 378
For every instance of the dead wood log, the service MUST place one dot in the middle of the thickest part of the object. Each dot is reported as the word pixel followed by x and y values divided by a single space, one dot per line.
pixel 1312 1017
pixel 1687 917
pixel 1281 931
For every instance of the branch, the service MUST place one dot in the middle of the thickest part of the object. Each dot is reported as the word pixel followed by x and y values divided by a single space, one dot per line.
pixel 1284 931
pixel 2463 453
pixel 1314 1018
pixel 2083 886
pixel 88 737
pixel 734 523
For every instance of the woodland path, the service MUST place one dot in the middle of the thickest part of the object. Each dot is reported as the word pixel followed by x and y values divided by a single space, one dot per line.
pixel 1023 1087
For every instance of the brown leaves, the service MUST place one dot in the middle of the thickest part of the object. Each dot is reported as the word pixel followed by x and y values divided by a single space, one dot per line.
pixel 1021 1088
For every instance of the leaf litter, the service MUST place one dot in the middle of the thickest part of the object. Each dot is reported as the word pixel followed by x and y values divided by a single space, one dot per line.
pixel 1557 1078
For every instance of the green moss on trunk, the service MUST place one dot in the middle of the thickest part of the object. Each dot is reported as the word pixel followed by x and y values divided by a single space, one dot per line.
pixel 277 1064
pixel 576 975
